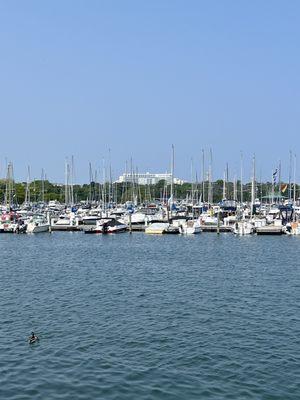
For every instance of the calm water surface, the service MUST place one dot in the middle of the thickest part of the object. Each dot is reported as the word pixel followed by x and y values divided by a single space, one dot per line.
pixel 143 317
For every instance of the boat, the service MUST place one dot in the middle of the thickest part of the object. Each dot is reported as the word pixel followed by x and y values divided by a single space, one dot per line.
pixel 270 230
pixel 292 228
pixel 107 225
pixel 37 224
pixel 157 228
pixel 190 227
pixel 65 223
pixel 243 228
pixel 11 223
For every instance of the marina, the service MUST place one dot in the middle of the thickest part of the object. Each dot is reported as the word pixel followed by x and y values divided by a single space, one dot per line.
pixel 268 219
pixel 149 200
pixel 183 208
pixel 214 219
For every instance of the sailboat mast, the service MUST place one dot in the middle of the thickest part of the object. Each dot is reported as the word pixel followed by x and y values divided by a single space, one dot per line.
pixel 203 177
pixel 294 199
pixel 104 186
pixel 27 193
pixel 192 182
pixel 290 176
pixel 172 177
pixel 253 187
pixel 72 180
pixel 224 186
pixel 234 189
pixel 110 180
pixel 241 177
pixel 210 194
pixel 43 186
pixel 227 182
pixel 66 182
pixel 279 180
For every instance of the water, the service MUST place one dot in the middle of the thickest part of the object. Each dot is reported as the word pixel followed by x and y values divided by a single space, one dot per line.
pixel 143 317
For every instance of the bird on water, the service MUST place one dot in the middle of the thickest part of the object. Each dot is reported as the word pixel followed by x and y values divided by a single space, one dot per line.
pixel 33 338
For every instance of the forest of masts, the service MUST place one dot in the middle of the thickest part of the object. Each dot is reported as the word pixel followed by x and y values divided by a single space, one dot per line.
pixel 102 189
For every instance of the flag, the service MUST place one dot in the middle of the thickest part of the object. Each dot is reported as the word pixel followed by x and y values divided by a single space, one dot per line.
pixel 283 188
pixel 274 175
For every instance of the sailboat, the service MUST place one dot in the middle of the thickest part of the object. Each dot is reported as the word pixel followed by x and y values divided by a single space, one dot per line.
pixel 246 227
pixel 294 227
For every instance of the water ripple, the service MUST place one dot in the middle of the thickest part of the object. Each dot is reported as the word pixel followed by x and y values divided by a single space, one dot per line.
pixel 139 317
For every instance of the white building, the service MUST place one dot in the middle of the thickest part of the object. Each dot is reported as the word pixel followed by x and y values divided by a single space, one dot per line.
pixel 148 179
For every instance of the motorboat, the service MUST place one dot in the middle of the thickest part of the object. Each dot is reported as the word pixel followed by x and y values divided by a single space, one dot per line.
pixel 243 228
pixel 157 228
pixel 37 224
pixel 108 225
pixel 190 227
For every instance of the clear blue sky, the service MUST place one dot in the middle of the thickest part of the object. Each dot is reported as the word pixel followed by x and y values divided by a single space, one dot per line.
pixel 80 77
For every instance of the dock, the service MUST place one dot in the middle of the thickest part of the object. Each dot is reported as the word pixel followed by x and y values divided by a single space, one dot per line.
pixel 215 228
pixel 65 228
pixel 269 230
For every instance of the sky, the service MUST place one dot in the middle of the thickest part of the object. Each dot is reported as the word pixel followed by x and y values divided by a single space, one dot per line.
pixel 130 78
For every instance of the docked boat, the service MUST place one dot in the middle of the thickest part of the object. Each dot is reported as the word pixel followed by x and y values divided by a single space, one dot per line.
pixel 190 227
pixel 157 228
pixel 271 229
pixel 243 228
pixel 11 223
pixel 37 225
pixel 108 225
pixel 65 223
pixel 91 219
pixel 293 228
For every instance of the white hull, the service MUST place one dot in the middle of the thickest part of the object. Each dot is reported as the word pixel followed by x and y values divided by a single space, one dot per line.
pixel 157 228
pixel 116 229
pixel 295 229
pixel 33 228
pixel 243 228
pixel 110 226
pixel 190 228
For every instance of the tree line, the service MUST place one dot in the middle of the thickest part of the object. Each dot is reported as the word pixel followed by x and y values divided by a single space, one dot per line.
pixel 44 191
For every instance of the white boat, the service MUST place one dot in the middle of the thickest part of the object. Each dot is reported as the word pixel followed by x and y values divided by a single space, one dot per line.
pixel 37 225
pixel 190 227
pixel 108 225
pixel 9 227
pixel 243 228
pixel 65 223
pixel 293 228
pixel 11 223
pixel 137 218
pixel 157 228
pixel 208 219
pixel 272 214
pixel 90 219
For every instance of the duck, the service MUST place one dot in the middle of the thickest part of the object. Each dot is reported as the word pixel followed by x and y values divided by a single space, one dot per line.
pixel 33 338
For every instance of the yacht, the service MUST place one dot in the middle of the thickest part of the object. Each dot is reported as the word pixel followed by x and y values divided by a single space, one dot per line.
pixel 108 225
pixel 190 227
pixel 157 228
pixel 37 224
